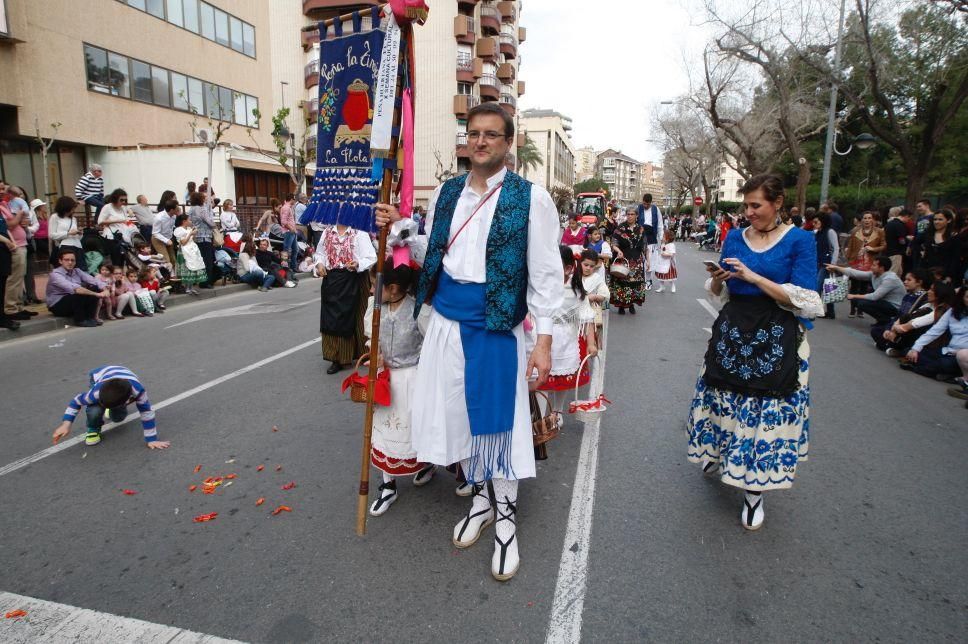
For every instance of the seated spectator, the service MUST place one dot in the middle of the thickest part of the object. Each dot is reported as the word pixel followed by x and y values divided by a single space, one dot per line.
pixel 90 188
pixel 105 279
pixel 92 254
pixel 144 215
pixel 142 257
pixel 129 295
pixel 162 231
pixel 884 302
pixel 73 293
pixel 949 359
pixel 269 221
pixel 148 278
pixel 271 263
pixel 113 226
pixel 248 268
pixel 191 266
pixel 229 220
pixel 915 284
pixel 905 332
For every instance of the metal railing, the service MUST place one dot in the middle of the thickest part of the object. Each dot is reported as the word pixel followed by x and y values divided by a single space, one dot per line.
pixel 510 100
pixel 311 68
pixel 489 80
pixel 465 63
pixel 462 138
pixel 509 39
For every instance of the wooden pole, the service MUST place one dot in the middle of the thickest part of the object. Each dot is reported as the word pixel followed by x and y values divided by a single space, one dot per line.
pixel 385 194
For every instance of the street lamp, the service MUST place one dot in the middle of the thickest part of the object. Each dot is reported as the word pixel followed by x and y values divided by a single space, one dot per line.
pixel 862 141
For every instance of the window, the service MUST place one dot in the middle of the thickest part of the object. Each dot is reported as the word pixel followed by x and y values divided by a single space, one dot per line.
pixel 208 21
pixel 225 103
pixel 196 97
pixel 175 12
pixel 157 8
pixel 159 86
pixel 251 104
pixel 248 39
pixel 238 105
pixel 179 91
pixel 118 76
pixel 221 27
pixel 211 100
pixel 141 80
pixel 464 88
pixel 137 4
pixel 191 15
pixel 236 28
pixel 96 61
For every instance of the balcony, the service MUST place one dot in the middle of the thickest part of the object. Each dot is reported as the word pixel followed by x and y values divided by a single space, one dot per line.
pixel 490 19
pixel 311 72
pixel 522 34
pixel 315 5
pixel 469 69
pixel 509 45
pixel 506 72
pixel 309 36
pixel 520 88
pixel 464 29
pixel 508 10
pixel 462 151
pixel 490 89
pixel 311 147
pixel 464 103
pixel 311 109
pixel 487 48
pixel 509 103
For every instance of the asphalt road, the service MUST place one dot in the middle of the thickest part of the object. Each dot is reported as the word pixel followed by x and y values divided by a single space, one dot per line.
pixel 868 545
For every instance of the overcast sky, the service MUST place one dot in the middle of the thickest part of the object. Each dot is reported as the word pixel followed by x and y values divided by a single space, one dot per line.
pixel 606 64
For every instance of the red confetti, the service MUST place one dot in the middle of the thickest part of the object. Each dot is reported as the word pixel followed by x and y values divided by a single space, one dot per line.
pixel 260 468
pixel 202 518
pixel 198 468
pixel 278 468
pixel 15 613
pixel 281 508
pixel 289 485
pixel 129 492
pixel 530 604
pixel 260 500
pixel 274 428
pixel 231 476
pixel 192 488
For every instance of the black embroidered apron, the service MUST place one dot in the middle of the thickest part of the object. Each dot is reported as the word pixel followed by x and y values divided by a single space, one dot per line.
pixel 753 350
pixel 340 292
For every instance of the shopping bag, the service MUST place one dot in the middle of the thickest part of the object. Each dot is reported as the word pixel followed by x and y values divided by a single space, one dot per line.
pixel 834 290
pixel 144 301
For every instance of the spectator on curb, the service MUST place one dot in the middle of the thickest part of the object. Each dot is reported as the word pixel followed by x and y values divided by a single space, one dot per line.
pixel 90 188
pixel 189 190
pixel 271 263
pixel 112 389
pixel 248 268
pixel 865 243
pixel 7 247
pixel 203 221
pixel 836 220
pixel 905 332
pixel 949 359
pixel 290 238
pixel 144 215
pixel 162 230
pixel 72 293
pixel 148 278
pixel 37 235
pixel 105 280
pixel 112 223
pixel 129 295
pixel 268 223
pixel 883 303
pixel 17 218
pixel 229 220
pixel 895 236
pixel 64 231
pixel 916 284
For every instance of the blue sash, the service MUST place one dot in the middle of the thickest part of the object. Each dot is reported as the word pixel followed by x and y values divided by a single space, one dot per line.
pixel 490 376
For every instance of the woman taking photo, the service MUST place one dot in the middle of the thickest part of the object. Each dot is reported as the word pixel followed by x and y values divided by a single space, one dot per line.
pixel 749 418
pixel 113 223
pixel 866 242
pixel 64 231
pixel 628 243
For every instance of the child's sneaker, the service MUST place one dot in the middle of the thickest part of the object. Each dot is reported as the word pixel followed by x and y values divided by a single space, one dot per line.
pixel 93 437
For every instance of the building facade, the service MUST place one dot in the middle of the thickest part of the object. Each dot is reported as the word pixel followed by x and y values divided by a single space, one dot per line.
pixel 131 84
pixel 650 181
pixel 621 173
pixel 585 161
pixel 467 53
pixel 727 182
pixel 551 133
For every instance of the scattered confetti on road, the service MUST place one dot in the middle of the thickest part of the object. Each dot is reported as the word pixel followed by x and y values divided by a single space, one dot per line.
pixel 202 518
pixel 15 614
pixel 129 492
pixel 289 485
pixel 260 468
pixel 281 508
pixel 260 500
pixel 198 468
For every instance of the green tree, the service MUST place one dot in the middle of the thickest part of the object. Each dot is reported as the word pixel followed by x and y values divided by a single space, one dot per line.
pixel 562 198
pixel 595 184
pixel 288 153
pixel 528 156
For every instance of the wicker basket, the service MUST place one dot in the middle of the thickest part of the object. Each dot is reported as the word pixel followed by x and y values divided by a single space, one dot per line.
pixel 543 428
pixel 587 411
pixel 620 268
pixel 358 387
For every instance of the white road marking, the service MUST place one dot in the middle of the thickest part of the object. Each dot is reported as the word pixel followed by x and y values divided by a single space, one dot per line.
pixel 707 330
pixel 24 462
pixel 52 622
pixel 709 307
pixel 245 309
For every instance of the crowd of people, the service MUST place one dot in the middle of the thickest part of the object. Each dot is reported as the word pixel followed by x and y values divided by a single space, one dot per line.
pixel 133 256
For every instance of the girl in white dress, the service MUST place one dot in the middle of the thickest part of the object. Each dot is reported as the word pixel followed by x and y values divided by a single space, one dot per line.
pixel 664 263
pixel 401 338
pixel 191 266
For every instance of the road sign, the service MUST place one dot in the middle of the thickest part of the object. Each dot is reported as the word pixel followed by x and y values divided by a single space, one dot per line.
pixel 697 201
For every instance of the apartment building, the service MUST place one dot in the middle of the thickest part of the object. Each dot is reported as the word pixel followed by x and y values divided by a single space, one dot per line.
pixel 132 84
pixel 650 180
pixel 467 52
pixel 585 160
pixel 621 173
pixel 727 181
pixel 551 133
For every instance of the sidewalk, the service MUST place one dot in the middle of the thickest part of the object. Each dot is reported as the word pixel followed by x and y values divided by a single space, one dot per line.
pixel 45 322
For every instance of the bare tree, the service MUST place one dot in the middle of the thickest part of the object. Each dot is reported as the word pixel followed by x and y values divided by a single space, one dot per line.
pixel 45 145
pixel 691 146
pixel 445 172
pixel 289 154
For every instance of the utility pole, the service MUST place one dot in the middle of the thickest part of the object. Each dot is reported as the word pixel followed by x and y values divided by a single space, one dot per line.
pixel 831 111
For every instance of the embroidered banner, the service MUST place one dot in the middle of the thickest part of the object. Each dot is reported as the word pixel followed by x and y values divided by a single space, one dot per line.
pixel 386 90
pixel 344 190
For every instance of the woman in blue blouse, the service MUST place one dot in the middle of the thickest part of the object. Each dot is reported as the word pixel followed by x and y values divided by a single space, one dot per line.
pixel 749 420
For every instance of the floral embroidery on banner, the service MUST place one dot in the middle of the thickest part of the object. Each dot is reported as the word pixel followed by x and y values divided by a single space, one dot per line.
pixel 751 354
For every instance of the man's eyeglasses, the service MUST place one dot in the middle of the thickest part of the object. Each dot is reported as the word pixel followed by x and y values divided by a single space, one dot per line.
pixel 490 136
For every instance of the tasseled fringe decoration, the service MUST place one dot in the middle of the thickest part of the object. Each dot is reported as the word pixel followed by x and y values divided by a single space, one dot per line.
pixel 491 454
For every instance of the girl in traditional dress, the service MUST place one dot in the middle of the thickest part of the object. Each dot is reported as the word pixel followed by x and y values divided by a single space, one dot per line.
pixel 573 334
pixel 664 262
pixel 343 257
pixel 594 283
pixel 191 266
pixel 628 243
pixel 401 337
pixel 749 420
pixel 596 242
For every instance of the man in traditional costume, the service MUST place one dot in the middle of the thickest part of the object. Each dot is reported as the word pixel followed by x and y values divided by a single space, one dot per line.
pixel 650 218
pixel 492 256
